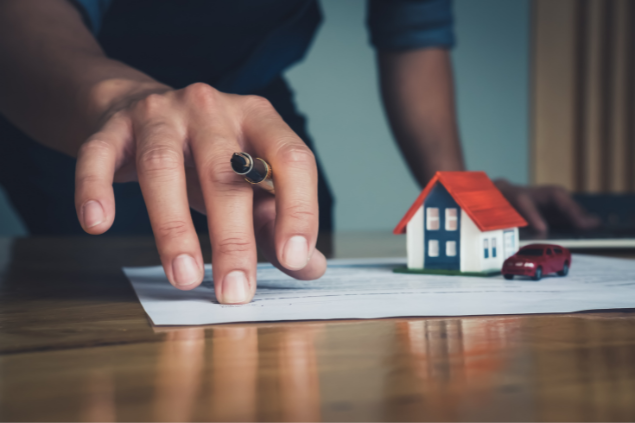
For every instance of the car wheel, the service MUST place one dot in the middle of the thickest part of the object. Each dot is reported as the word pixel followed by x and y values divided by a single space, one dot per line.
pixel 564 271
pixel 538 274
pixel 508 276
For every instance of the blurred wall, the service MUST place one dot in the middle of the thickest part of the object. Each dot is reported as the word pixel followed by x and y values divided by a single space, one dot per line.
pixel 336 87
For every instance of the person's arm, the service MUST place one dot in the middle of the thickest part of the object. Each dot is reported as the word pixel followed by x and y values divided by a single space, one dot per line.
pixel 57 85
pixel 418 94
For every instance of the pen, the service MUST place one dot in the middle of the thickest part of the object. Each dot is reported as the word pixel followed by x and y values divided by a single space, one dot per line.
pixel 255 171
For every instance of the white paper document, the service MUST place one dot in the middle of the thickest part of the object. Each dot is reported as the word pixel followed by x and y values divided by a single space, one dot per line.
pixel 363 289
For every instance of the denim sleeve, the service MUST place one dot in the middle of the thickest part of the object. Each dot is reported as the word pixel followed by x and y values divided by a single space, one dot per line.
pixel 93 12
pixel 410 24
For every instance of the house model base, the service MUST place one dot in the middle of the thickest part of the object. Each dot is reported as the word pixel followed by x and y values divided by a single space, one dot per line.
pixel 445 272
pixel 460 224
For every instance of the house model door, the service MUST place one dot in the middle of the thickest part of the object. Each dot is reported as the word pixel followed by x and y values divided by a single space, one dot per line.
pixel 441 230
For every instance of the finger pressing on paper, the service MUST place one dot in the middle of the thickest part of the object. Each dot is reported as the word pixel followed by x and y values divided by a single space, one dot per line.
pixel 264 226
pixel 161 170
pixel 295 176
pixel 229 204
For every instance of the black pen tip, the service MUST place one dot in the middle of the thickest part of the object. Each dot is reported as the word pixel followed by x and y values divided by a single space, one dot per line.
pixel 240 163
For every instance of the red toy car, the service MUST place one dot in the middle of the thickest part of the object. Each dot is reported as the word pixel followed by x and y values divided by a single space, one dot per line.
pixel 537 260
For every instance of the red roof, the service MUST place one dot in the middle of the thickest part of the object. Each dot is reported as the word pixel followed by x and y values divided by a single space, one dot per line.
pixel 475 193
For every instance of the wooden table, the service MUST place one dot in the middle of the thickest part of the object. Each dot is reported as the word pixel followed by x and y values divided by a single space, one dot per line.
pixel 75 344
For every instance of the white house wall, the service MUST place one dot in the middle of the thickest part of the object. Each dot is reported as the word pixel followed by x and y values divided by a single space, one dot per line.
pixel 492 263
pixel 472 250
pixel 470 260
pixel 414 240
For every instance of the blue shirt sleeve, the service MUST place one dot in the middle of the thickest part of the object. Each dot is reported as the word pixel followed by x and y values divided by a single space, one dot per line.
pixel 410 24
pixel 93 12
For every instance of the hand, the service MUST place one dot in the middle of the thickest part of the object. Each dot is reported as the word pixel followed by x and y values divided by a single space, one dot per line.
pixel 178 145
pixel 546 206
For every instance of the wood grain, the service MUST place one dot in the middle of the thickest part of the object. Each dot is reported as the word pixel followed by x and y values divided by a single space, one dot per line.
pixel 76 345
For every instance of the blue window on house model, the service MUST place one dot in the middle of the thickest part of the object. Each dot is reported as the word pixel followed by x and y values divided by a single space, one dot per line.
pixel 441 230
pixel 485 248
pixel 494 247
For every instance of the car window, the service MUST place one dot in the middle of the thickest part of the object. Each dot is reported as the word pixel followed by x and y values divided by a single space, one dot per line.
pixel 549 253
pixel 558 250
pixel 535 252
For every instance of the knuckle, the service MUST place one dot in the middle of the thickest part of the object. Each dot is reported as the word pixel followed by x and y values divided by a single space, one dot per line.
pixel 296 155
pixel 233 245
pixel 160 159
pixel 172 229
pixel 153 103
pixel 94 147
pixel 221 176
pixel 155 129
pixel 86 181
pixel 220 173
pixel 258 103
pixel 301 210
pixel 201 94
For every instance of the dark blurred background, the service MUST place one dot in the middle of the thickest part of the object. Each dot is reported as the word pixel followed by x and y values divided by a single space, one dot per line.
pixel 545 95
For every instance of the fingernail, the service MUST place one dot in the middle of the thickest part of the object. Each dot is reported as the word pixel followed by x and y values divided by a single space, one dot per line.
pixel 296 253
pixel 235 287
pixel 93 214
pixel 186 271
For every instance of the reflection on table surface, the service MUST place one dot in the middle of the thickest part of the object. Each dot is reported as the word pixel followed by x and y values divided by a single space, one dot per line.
pixel 497 368
pixel 75 345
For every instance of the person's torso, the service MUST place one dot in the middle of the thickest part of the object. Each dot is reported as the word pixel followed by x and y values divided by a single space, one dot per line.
pixel 212 41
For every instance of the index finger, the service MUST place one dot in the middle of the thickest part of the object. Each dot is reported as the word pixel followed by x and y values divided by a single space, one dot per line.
pixel 295 175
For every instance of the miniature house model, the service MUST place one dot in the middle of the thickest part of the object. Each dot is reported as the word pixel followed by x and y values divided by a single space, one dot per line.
pixel 460 222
